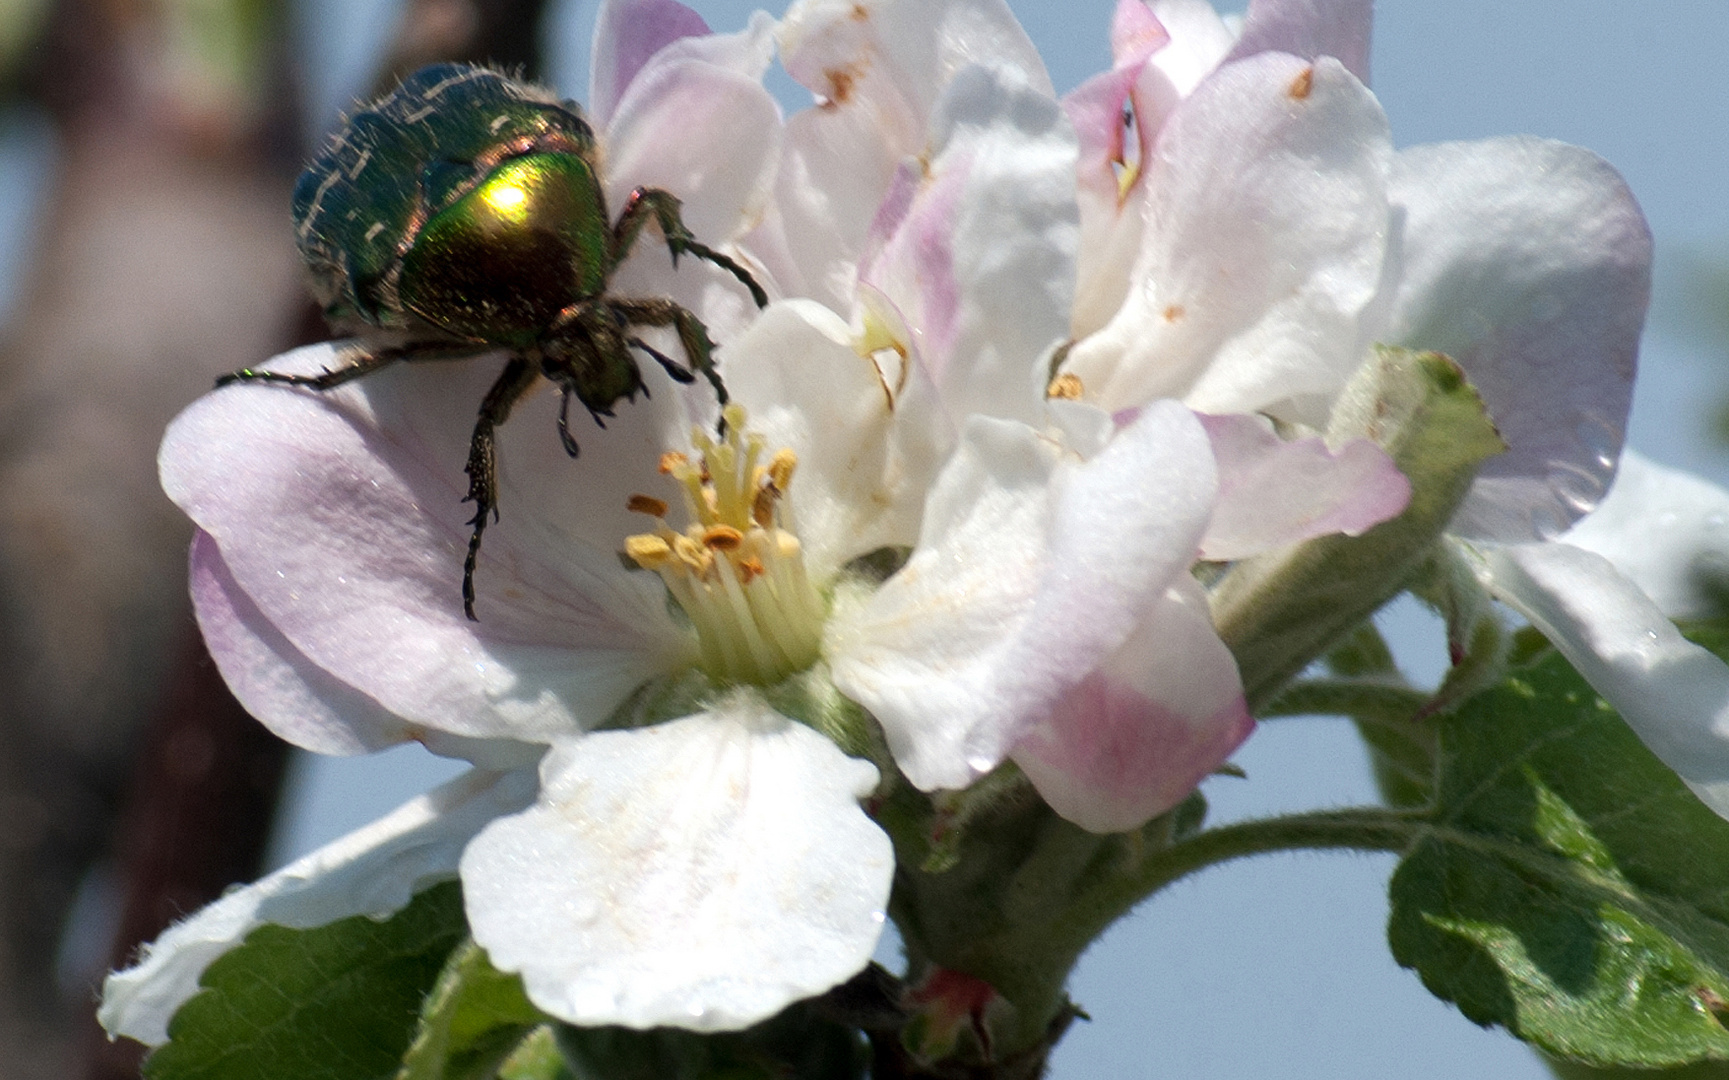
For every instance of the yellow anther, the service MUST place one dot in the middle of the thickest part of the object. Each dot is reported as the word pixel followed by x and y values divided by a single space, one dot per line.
pixel 749 570
pixel 646 504
pixel 648 551
pixel 1065 387
pixel 780 469
pixel 722 538
pixel 671 460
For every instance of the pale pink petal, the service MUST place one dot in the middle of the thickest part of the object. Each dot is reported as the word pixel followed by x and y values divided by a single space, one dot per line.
pixel 1136 33
pixel 703 873
pixel 626 34
pixel 295 698
pixel 878 68
pixel 1665 530
pixel 1273 492
pixel 374 871
pixel 1110 217
pixel 1266 225
pixel 340 516
pixel 709 135
pixel 1136 736
pixel 1672 693
pixel 1032 568
pixel 981 262
pixel 1529 262
pixel 1310 29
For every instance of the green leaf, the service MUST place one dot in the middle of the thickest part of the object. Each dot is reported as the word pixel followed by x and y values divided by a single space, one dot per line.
pixel 1280 611
pixel 798 1044
pixel 1569 886
pixel 473 1019
pixel 335 1003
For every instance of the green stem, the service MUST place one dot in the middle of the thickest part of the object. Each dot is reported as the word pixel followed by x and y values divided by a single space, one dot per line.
pixel 1367 828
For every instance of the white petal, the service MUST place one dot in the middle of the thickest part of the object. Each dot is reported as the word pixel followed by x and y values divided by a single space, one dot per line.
pixel 983 265
pixel 1310 29
pixel 1199 42
pixel 1265 229
pixel 806 388
pixel 1030 571
pixel 1667 531
pixel 703 873
pixel 1672 693
pixel 374 871
pixel 1136 737
pixel 1528 262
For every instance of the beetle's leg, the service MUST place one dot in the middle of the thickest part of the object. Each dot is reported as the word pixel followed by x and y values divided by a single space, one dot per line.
pixel 365 362
pixel 672 367
pixel 482 467
pixel 692 334
pixel 663 206
pixel 564 435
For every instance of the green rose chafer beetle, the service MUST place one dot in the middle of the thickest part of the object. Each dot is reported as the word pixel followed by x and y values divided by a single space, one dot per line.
pixel 463 214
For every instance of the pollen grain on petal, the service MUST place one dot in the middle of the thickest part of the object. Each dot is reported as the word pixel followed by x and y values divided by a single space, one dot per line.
pixel 1174 312
pixel 1303 84
pixel 1066 387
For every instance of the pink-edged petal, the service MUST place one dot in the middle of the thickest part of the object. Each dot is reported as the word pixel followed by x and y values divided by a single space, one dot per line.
pixel 1110 217
pixel 375 871
pixel 1667 531
pixel 1310 29
pixel 1672 693
pixel 703 873
pixel 1136 736
pixel 1273 492
pixel 706 133
pixel 1266 225
pixel 1031 569
pixel 1529 262
pixel 340 516
pixel 626 34
pixel 981 263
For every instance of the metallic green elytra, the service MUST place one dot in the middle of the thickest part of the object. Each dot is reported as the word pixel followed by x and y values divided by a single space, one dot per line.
pixel 463 214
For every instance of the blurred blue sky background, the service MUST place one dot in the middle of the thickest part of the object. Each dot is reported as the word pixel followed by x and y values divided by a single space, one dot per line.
pixel 1278 967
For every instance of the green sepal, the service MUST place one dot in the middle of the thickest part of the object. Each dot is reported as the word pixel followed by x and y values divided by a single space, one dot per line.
pixel 473 1019
pixel 1568 887
pixel 537 1058
pixel 336 1001
pixel 1280 611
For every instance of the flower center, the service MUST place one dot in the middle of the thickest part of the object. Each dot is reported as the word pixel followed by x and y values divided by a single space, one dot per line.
pixel 737 570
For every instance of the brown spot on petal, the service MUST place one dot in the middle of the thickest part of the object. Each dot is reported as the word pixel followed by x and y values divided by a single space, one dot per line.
pixel 646 504
pixel 859 13
pixel 1065 387
pixel 841 82
pixel 1174 312
pixel 1303 84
